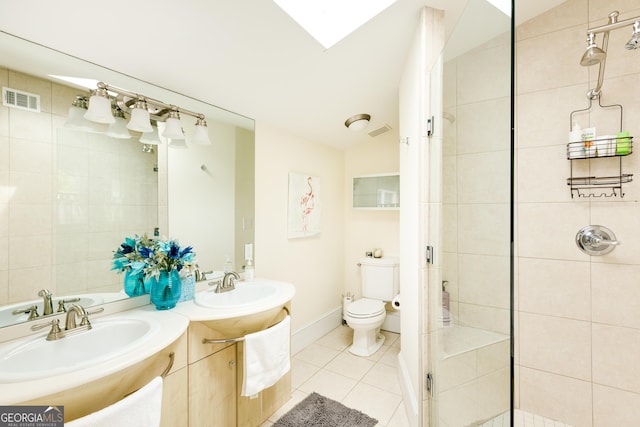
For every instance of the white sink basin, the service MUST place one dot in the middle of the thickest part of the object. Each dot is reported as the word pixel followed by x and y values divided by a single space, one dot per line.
pixel 37 367
pixel 244 294
pixel 86 300
pixel 36 357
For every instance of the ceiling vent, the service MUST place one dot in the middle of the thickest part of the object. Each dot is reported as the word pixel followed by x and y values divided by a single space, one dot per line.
pixel 19 99
pixel 380 130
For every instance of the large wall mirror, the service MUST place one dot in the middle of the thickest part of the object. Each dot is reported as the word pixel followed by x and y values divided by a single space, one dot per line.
pixel 69 197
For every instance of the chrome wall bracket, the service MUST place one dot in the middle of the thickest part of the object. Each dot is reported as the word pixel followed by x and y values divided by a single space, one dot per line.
pixel 596 240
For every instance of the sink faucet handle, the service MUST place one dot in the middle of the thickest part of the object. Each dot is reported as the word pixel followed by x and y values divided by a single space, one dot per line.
pixel 31 311
pixel 85 318
pixel 55 332
pixel 61 304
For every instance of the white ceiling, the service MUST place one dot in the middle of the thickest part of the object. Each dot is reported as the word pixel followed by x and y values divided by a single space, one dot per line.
pixel 246 56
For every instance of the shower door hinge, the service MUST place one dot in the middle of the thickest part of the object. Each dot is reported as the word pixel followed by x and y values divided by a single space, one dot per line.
pixel 430 125
pixel 429 384
pixel 404 140
pixel 429 254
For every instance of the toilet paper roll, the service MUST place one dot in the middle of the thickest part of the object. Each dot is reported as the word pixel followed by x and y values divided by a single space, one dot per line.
pixel 345 303
pixel 395 302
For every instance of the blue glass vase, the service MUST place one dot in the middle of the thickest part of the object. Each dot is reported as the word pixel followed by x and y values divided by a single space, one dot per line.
pixel 165 290
pixel 134 284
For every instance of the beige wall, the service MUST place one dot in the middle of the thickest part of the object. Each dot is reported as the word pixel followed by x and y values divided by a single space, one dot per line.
pixel 366 229
pixel 578 323
pixel 315 265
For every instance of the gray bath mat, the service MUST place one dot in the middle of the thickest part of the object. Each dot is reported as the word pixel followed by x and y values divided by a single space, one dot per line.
pixel 318 411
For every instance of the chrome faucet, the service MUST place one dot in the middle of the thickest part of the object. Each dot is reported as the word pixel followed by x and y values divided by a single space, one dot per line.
pixel 228 282
pixel 47 301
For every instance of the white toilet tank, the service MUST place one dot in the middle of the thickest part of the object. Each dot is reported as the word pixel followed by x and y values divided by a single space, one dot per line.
pixel 379 278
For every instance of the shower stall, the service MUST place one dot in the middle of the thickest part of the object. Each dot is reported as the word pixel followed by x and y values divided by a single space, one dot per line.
pixel 521 325
pixel 469 325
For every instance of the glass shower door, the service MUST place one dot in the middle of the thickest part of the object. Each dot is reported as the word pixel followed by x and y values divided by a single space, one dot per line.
pixel 469 344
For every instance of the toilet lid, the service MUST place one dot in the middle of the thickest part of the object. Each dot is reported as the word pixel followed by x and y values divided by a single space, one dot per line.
pixel 365 307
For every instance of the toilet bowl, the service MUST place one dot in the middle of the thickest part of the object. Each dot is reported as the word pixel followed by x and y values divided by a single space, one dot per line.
pixel 365 316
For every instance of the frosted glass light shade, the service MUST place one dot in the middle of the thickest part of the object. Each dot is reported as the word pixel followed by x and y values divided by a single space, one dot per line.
pixel 151 138
pixel 200 135
pixel 99 110
pixel 173 129
pixel 119 129
pixel 76 120
pixel 140 120
pixel 177 143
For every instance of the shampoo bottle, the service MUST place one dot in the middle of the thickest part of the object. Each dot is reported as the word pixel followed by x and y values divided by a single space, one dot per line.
pixel 576 146
pixel 446 316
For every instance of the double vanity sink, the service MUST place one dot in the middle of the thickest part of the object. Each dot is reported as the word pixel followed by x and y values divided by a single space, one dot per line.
pixel 32 366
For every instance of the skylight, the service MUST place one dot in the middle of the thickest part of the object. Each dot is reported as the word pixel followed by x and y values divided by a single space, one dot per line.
pixel 329 21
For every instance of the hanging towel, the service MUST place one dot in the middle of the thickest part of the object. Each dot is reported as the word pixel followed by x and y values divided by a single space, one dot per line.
pixel 266 357
pixel 140 409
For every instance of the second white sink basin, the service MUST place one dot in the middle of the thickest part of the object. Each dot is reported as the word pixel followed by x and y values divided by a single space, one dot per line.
pixel 244 294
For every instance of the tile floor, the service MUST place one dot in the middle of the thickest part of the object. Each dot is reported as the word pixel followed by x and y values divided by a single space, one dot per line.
pixel 368 384
pixel 523 419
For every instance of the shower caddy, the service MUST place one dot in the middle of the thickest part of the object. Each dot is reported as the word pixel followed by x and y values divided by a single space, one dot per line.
pixel 598 186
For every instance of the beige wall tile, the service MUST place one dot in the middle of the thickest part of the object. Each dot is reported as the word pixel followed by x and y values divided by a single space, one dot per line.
pixel 555 396
pixel 30 220
pixel 551 60
pixel 616 351
pixel 542 174
pixel 484 280
pixel 544 116
pixel 614 407
pixel 616 295
pixel 456 370
pixel 599 10
pixel 4 255
pixel 481 125
pixel 547 230
pixel 494 357
pixel 554 288
pixel 624 221
pixel 552 343
pixel 482 73
pixel 31 157
pixel 483 317
pixel 29 125
pixel 17 278
pixel 484 177
pixel 484 228
pixel 567 14
pixel 30 251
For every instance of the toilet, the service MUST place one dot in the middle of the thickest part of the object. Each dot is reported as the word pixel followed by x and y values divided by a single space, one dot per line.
pixel 379 280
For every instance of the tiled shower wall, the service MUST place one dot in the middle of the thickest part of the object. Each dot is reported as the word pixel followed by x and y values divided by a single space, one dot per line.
pixel 67 198
pixel 578 317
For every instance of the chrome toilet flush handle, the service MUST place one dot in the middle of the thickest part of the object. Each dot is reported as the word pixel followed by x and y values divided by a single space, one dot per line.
pixel 596 240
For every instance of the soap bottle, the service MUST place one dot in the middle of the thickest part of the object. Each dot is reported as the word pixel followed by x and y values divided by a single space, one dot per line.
pixel 248 271
pixel 576 146
pixel 228 265
pixel 446 316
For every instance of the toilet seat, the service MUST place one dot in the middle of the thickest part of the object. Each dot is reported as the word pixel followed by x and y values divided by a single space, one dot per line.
pixel 365 308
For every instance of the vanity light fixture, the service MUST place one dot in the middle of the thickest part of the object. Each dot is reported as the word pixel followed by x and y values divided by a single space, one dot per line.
pixel 140 118
pixel 201 132
pixel 173 129
pixel 100 106
pixel 358 122
pixel 75 117
pixel 118 129
pixel 142 111
pixel 151 138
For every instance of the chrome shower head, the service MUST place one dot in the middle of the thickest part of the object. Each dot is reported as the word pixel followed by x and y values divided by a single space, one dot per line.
pixel 634 41
pixel 593 55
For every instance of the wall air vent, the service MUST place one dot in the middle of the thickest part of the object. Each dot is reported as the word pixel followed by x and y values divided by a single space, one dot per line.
pixel 377 131
pixel 19 99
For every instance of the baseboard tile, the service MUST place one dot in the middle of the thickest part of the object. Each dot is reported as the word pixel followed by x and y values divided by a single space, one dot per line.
pixel 315 330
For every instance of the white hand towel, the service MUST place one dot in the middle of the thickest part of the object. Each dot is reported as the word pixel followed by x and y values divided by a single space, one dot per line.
pixel 266 357
pixel 140 409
